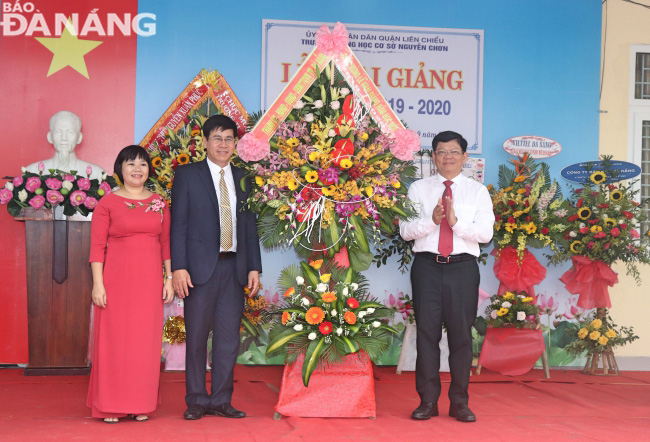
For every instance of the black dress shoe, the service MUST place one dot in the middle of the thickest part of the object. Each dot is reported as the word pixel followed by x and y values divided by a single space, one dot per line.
pixel 225 410
pixel 194 412
pixel 462 413
pixel 425 411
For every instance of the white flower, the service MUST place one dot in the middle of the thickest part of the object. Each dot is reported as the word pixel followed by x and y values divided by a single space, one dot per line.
pixel 300 280
pixel 23 169
pixel 581 225
pixel 331 133
pixel 634 221
pixel 376 324
pixel 335 105
pixel 318 104
pixel 354 286
pixel 104 176
pixel 305 301
pixel 506 305
pixel 345 291
pixel 339 331
pixel 322 287
pixel 493 314
pixel 299 104
pixel 309 118
pixel 361 314
pixel 573 234
pixel 22 195
pixel 344 91
pixel 334 313
pixel 520 296
pixel 312 336
pixel 67 185
pixel 297 327
pixel 371 310
pixel 9 185
pixel 521 316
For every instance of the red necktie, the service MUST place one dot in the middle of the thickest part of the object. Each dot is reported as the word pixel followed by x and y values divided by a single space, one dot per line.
pixel 446 239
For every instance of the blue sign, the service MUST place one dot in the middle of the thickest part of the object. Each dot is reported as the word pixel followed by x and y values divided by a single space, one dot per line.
pixel 579 172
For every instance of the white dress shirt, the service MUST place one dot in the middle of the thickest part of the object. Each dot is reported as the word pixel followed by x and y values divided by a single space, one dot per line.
pixel 215 171
pixel 473 208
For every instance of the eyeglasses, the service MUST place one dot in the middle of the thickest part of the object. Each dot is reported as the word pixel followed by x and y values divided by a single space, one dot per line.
pixel 218 140
pixel 453 153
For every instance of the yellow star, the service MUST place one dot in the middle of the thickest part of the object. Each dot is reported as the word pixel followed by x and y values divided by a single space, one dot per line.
pixel 68 50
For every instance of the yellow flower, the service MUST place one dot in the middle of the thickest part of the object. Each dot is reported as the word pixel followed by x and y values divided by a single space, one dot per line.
pixel 598 177
pixel 292 184
pixel 369 190
pixel 596 323
pixel 329 297
pixel 156 162
pixel 528 299
pixel 290 291
pixel 396 184
pixel 518 213
pixel 610 222
pixel 582 333
pixel 584 213
pixel 576 246
pixel 596 228
pixel 508 189
pixel 195 133
pixel 603 341
pixel 615 195
pixel 183 159
pixel 363 136
pixel 259 181
pixel 325 277
pixel 502 311
pixel 530 228
pixel 311 176
pixel 328 191
pixel 520 178
pixel 594 335
pixel 314 156
pixel 509 296
pixel 346 163
pixel 316 263
pixel 520 191
pixel 510 227
pixel 293 142
pixel 610 333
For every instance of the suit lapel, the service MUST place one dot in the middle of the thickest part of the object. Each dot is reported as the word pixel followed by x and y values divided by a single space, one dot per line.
pixel 237 175
pixel 206 177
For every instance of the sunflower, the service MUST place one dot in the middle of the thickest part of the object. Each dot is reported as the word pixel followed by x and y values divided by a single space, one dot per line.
pixel 598 177
pixel 610 222
pixel 293 142
pixel 292 184
pixel 596 228
pixel 311 176
pixel 502 311
pixel 510 227
pixel 616 195
pixel 314 315
pixel 530 228
pixel 576 246
pixel 183 159
pixel 346 163
pixel 584 213
pixel 156 162
pixel 509 296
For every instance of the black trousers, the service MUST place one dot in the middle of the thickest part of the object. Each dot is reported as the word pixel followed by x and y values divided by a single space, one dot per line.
pixel 444 293
pixel 217 304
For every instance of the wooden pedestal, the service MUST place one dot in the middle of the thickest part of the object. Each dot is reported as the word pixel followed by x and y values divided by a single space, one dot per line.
pixel 58 312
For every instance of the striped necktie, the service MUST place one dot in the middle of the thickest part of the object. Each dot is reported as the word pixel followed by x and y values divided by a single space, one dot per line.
pixel 225 214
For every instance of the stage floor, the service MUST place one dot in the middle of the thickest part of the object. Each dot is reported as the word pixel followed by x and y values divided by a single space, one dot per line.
pixel 568 406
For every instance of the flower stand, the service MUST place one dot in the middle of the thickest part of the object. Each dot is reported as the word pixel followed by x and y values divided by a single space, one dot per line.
pixel 511 351
pixel 601 364
pixel 346 389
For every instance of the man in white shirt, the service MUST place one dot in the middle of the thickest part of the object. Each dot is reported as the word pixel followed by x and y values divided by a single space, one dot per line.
pixel 454 216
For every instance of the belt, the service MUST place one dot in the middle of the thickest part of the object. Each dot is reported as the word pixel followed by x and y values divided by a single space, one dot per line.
pixel 227 255
pixel 447 259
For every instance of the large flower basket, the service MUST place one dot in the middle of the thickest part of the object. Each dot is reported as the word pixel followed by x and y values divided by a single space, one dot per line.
pixel 512 351
pixel 346 389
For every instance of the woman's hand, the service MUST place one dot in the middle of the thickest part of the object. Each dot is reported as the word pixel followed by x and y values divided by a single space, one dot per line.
pixel 168 291
pixel 99 295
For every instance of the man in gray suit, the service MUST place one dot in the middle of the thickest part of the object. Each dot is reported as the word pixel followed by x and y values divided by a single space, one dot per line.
pixel 215 253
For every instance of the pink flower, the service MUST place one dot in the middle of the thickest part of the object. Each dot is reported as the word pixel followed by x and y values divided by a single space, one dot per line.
pixel 32 183
pixel 77 197
pixel 547 305
pixel 334 42
pixel 69 177
pixel 90 202
pixel 17 181
pixel 89 170
pixel 591 245
pixel 5 195
pixel 53 183
pixel 600 235
pixel 41 166
pixel 634 233
pixel 37 202
pixel 54 197
pixel 253 147
pixel 615 232
pixel 105 187
pixel 83 183
pixel 584 230
pixel 406 142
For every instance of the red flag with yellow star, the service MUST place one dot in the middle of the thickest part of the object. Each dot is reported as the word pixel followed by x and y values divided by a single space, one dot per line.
pixel 87 67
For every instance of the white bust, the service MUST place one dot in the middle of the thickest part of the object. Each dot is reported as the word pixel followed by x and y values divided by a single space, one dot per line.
pixel 65 134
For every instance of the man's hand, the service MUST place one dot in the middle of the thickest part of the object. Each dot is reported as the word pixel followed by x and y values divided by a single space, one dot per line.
pixel 253 282
pixel 451 213
pixel 438 213
pixel 181 281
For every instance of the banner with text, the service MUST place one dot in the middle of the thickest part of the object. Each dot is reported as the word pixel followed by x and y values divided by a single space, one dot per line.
pixel 431 77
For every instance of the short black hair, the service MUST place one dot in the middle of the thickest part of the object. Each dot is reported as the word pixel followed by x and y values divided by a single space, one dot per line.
pixel 448 135
pixel 130 153
pixel 220 122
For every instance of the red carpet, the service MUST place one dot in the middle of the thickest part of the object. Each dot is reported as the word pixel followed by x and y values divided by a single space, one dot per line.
pixel 568 406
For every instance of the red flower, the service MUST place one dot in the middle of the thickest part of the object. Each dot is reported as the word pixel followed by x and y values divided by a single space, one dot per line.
pixel 580 202
pixel 497 217
pixel 544 230
pixel 512 220
pixel 606 246
pixel 352 303
pixel 628 215
pixel 511 203
pixel 593 221
pixel 529 218
pixel 573 218
pixel 594 193
pixel 603 206
pixel 584 230
pixel 578 191
pixel 600 235
pixel 623 226
pixel 526 203
pixel 615 232
pixel 325 327
pixel 611 187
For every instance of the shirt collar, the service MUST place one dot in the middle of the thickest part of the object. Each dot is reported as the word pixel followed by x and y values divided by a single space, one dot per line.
pixel 217 169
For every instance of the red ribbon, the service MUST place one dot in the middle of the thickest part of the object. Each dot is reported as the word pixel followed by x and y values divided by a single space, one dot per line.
pixel 510 351
pixel 590 279
pixel 514 275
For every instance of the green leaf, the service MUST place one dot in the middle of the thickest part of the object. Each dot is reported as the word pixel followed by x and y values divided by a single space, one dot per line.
pixel 360 233
pixel 279 341
pixel 311 276
pixel 360 260
pixel 350 346
pixel 311 359
pixel 250 327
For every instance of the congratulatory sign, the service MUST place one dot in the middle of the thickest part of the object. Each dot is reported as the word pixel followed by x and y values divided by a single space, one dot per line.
pixel 431 77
